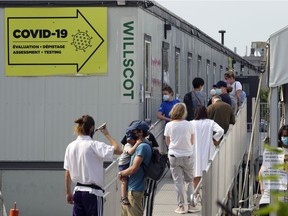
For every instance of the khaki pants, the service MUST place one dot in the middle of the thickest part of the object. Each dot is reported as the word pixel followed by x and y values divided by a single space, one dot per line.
pixel 182 173
pixel 136 204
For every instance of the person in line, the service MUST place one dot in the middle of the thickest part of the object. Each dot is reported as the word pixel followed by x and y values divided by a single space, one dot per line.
pixel 124 162
pixel 136 183
pixel 233 100
pixel 221 112
pixel 167 104
pixel 83 163
pixel 236 85
pixel 221 90
pixel 151 185
pixel 195 97
pixel 282 143
pixel 179 137
pixel 206 131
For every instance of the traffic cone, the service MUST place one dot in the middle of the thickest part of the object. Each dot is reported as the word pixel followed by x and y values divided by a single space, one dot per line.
pixel 15 211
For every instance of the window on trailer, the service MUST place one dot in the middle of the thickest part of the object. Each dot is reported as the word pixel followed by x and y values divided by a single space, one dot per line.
pixel 189 72
pixel 221 72
pixel 209 77
pixel 214 74
pixel 177 72
pixel 147 78
pixel 199 60
pixel 165 64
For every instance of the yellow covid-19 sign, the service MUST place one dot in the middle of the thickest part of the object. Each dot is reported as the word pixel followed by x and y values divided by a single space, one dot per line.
pixel 55 41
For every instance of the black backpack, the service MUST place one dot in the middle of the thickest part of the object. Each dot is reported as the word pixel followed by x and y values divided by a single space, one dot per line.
pixel 156 167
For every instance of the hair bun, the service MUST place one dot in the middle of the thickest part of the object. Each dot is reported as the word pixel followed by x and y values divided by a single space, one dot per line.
pixel 79 121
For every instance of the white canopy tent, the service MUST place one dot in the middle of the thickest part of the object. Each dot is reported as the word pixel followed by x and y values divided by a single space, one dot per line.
pixel 278 76
pixel 279 58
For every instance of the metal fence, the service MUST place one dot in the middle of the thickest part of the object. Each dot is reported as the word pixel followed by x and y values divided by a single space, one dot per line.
pixel 221 171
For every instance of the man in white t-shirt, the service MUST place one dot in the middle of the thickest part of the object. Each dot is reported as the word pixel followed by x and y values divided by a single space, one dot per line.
pixel 83 163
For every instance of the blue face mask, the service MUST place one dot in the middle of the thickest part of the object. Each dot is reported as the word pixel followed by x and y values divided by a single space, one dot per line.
pixel 165 97
pixel 218 91
pixel 284 140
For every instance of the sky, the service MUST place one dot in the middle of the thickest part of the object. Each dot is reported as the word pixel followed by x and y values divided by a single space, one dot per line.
pixel 244 21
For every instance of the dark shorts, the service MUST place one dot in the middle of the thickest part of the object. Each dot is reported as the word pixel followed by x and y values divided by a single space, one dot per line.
pixel 87 204
pixel 123 167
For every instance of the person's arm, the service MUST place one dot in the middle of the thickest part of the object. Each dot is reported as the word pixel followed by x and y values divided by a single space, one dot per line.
pixel 260 179
pixel 161 116
pixel 117 149
pixel 219 131
pixel 132 150
pixel 192 139
pixel 238 95
pixel 238 91
pixel 167 140
pixel 232 118
pixel 69 196
pixel 132 169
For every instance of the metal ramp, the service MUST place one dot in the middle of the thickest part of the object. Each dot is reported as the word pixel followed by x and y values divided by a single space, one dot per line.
pixel 165 199
pixel 217 179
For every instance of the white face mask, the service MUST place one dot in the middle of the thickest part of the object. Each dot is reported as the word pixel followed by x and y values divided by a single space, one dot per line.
pixel 166 97
pixel 212 91
pixel 218 91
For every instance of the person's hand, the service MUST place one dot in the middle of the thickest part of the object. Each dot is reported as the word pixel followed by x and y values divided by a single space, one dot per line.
pixel 216 143
pixel 69 198
pixel 138 142
pixel 104 131
pixel 120 177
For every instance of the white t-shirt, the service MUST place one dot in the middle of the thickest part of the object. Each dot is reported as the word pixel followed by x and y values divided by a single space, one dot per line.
pixel 236 86
pixel 124 158
pixel 180 133
pixel 84 159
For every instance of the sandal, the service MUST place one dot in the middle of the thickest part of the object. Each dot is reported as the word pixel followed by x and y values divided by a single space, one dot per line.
pixel 125 201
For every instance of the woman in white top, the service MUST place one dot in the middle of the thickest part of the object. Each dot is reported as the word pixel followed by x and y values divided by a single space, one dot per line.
pixel 236 85
pixel 205 131
pixel 178 136
pixel 83 163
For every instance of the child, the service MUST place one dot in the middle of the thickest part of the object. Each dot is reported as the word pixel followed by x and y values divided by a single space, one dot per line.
pixel 124 162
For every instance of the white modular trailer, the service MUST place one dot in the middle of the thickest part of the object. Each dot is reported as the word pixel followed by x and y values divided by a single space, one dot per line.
pixel 147 47
pixel 37 112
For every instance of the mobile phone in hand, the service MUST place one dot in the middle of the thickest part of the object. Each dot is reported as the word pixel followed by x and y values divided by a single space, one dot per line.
pixel 103 126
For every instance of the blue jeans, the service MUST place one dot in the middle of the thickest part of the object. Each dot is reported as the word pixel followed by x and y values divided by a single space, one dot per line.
pixel 87 204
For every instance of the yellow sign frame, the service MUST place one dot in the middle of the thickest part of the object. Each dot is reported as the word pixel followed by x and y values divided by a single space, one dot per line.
pixel 56 41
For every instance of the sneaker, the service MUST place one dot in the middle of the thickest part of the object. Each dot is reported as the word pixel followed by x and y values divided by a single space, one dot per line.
pixel 180 210
pixel 193 209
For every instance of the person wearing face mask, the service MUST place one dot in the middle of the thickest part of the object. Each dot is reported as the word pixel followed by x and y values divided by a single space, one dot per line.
pixel 195 97
pixel 124 161
pixel 167 104
pixel 136 183
pixel 282 143
pixel 83 163
pixel 221 90
pixel 129 147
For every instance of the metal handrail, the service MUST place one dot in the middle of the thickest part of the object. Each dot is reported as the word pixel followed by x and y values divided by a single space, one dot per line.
pixel 155 124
